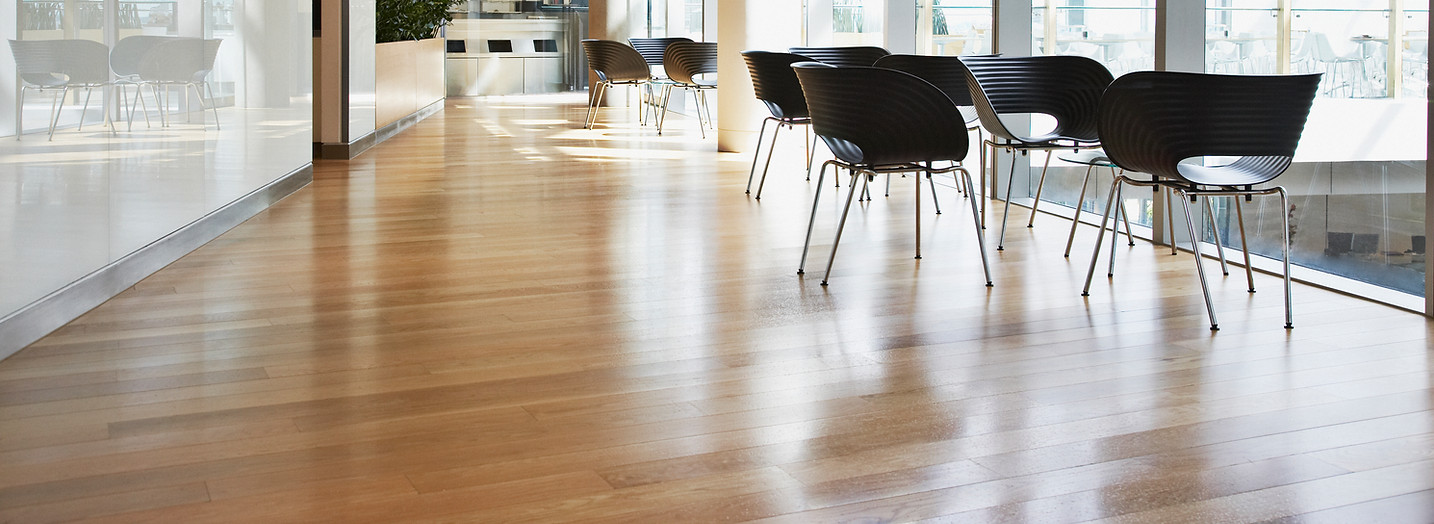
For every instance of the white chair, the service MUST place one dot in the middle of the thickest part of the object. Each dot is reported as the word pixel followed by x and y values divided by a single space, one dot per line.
pixel 59 65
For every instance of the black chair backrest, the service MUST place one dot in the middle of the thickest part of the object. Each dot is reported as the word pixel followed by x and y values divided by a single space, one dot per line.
pixel 944 72
pixel 685 60
pixel 1067 88
pixel 1150 121
pixel 776 83
pixel 82 62
pixel 842 56
pixel 873 116
pixel 653 49
pixel 614 61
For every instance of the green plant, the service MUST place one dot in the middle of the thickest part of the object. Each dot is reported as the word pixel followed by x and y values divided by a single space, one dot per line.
pixel 399 20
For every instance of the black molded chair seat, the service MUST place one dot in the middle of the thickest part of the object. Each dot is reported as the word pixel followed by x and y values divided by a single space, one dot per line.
pixel 776 85
pixel 1181 128
pixel 882 121
pixel 614 63
pixel 844 56
pixel 1066 88
pixel 685 62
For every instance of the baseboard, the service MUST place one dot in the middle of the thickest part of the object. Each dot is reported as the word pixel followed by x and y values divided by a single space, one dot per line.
pixel 349 151
pixel 39 318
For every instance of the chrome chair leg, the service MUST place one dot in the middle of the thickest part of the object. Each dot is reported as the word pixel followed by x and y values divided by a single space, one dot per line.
pixel 1285 247
pixel 1219 246
pixel 212 106
pixel 757 153
pixel 801 268
pixel 1010 177
pixel 89 91
pixel 1115 226
pixel 976 223
pixel 1040 186
pixel 55 112
pixel 811 149
pixel 865 179
pixel 934 201
pixel 1100 236
pixel 918 207
pixel 1244 246
pixel 1199 264
pixel 1124 217
pixel 770 148
pixel 1170 218
pixel 1080 203
pixel 593 102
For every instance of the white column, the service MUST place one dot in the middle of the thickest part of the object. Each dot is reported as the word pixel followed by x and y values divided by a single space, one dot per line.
pixel 1012 38
pixel 1179 46
pixel 1180 35
pixel 742 25
pixel 899 28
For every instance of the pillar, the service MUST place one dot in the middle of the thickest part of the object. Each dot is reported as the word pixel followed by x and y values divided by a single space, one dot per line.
pixel 769 25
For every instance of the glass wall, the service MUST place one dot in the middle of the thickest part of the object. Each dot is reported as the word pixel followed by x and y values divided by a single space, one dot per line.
pixel 954 27
pixel 1117 33
pixel 1357 186
pixel 858 22
pixel 674 18
pixel 187 106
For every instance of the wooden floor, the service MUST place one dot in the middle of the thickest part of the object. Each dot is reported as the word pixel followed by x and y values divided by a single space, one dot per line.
pixel 500 317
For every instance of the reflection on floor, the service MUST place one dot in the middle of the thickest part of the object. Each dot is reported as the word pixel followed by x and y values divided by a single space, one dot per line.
pixel 498 316
pixel 71 205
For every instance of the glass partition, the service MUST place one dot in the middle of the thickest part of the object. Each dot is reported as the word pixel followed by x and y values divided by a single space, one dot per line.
pixel 954 27
pixel 1117 33
pixel 857 22
pixel 186 106
pixel 1357 185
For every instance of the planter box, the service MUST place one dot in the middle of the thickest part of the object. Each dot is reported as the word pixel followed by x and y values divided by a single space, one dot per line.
pixel 408 76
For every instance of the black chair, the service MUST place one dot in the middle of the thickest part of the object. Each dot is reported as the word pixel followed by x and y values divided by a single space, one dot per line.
pixel 59 65
pixel 1067 88
pixel 948 75
pixel 842 56
pixel 882 121
pixel 615 64
pixel 1171 125
pixel 777 87
pixel 652 50
pixel 686 63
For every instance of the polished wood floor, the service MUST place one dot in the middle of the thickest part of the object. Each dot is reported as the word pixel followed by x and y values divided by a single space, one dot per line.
pixel 500 317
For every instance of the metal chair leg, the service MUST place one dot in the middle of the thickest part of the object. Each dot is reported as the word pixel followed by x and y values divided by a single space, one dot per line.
pixel 770 148
pixel 1114 227
pixel 85 108
pixel 1170 218
pixel 811 149
pixel 801 268
pixel 593 101
pixel 865 179
pixel 1040 186
pixel 1011 177
pixel 934 201
pixel 1100 237
pixel 1124 217
pixel 1219 246
pixel 976 222
pixel 1285 247
pixel 918 207
pixel 1244 247
pixel 1080 203
pixel 55 112
pixel 1199 263
pixel 757 153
